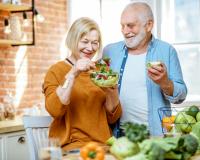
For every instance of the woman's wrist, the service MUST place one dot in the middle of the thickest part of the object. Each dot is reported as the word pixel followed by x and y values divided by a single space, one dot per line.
pixel 63 99
pixel 74 71
pixel 68 79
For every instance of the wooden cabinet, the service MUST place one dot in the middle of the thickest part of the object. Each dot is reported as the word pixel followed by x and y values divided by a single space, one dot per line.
pixel 13 146
pixel 12 8
pixel 13 42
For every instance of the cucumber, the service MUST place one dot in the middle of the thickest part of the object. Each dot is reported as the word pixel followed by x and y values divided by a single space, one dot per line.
pixel 154 63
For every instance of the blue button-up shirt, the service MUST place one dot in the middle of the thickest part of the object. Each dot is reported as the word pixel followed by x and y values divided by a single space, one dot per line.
pixel 157 51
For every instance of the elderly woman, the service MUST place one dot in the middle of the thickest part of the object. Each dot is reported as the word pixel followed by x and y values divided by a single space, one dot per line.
pixel 81 110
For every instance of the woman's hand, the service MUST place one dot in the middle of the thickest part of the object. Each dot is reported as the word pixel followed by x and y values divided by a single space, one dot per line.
pixel 112 98
pixel 83 65
pixel 64 91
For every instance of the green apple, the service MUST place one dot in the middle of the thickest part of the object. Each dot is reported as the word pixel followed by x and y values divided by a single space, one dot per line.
pixel 192 111
pixel 184 122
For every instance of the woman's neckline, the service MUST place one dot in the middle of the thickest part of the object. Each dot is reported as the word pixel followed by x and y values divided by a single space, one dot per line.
pixel 69 61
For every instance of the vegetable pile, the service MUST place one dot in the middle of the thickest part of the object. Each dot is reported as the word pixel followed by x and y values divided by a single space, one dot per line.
pixel 179 148
pixel 136 145
pixel 103 75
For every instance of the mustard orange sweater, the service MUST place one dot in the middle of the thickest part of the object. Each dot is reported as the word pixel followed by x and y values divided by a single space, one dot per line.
pixel 85 118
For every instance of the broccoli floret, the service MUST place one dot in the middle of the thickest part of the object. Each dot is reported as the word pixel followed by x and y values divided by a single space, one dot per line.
pixel 135 132
pixel 153 149
pixel 156 152
pixel 188 143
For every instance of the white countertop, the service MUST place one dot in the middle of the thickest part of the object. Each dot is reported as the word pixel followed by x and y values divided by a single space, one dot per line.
pixel 11 125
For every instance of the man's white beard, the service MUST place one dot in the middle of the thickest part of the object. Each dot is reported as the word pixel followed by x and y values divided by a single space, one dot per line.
pixel 135 41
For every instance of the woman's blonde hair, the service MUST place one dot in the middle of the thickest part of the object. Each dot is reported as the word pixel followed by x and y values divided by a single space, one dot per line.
pixel 78 29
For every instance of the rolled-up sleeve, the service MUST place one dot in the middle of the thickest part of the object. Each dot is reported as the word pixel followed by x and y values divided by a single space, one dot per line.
pixel 175 75
pixel 52 102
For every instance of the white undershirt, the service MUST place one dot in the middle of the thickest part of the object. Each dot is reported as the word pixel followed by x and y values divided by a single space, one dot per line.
pixel 133 94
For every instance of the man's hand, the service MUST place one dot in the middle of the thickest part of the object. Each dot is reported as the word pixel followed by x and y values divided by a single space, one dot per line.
pixel 158 73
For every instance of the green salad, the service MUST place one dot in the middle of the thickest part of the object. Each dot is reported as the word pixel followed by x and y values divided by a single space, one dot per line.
pixel 103 75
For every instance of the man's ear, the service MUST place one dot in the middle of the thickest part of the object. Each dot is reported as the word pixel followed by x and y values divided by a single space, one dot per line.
pixel 149 25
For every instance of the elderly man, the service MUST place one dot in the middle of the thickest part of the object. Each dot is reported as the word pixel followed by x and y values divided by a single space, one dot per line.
pixel 145 89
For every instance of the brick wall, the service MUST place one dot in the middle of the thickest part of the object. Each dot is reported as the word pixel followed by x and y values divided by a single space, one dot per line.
pixel 22 69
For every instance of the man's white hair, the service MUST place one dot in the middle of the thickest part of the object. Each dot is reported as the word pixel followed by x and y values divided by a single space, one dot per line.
pixel 144 10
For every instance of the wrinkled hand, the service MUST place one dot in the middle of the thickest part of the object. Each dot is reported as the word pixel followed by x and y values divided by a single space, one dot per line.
pixel 83 65
pixel 112 98
pixel 158 74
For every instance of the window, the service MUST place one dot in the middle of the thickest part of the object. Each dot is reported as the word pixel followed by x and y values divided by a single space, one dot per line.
pixel 106 12
pixel 180 26
pixel 181 21
pixel 86 8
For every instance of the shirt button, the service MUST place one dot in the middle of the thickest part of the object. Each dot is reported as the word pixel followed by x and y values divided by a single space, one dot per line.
pixel 121 69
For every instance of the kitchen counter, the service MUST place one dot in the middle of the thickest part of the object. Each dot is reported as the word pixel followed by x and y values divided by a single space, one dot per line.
pixel 109 157
pixel 77 157
pixel 15 125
